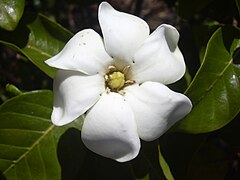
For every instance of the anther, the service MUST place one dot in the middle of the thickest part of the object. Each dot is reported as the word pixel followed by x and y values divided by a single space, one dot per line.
pixel 111 69
pixel 108 90
pixel 129 82
pixel 121 92
pixel 126 69
pixel 106 78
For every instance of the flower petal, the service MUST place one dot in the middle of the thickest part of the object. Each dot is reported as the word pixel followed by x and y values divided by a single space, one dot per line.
pixel 74 94
pixel 84 52
pixel 156 108
pixel 123 33
pixel 109 129
pixel 159 58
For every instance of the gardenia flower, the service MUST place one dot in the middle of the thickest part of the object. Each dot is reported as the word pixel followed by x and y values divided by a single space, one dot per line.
pixel 120 83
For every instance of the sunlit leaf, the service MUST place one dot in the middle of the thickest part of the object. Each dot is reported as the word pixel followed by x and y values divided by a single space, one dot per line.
pixel 10 13
pixel 38 38
pixel 30 145
pixel 215 90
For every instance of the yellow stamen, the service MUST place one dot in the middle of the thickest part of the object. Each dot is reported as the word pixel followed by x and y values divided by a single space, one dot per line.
pixel 116 80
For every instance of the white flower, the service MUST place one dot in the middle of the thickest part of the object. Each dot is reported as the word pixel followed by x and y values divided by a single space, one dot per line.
pixel 119 81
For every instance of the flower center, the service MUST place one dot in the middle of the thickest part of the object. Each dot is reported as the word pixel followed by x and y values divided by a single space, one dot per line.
pixel 115 79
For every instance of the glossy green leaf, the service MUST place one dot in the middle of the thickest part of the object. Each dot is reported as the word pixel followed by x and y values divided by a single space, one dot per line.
pixel 31 147
pixel 11 12
pixel 215 90
pixel 38 38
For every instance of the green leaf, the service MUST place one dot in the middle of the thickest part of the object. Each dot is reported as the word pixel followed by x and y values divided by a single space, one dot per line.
pixel 38 38
pixel 31 147
pixel 146 165
pixel 178 150
pixel 164 165
pixel 238 5
pixel 144 178
pixel 11 12
pixel 13 90
pixel 187 8
pixel 202 35
pixel 230 133
pixel 215 90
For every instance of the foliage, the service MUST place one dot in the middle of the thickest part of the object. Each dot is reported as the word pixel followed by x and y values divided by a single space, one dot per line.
pixel 204 145
pixel 11 12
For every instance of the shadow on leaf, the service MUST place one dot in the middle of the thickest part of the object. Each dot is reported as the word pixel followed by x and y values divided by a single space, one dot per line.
pixel 71 154
pixel 77 162
pixel 2 177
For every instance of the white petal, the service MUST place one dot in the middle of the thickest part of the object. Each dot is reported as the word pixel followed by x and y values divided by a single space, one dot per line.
pixel 123 33
pixel 74 94
pixel 84 52
pixel 156 108
pixel 159 58
pixel 109 129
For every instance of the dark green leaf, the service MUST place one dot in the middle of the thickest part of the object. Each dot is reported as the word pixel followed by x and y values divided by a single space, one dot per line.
pixel 146 165
pixel 30 145
pixel 164 165
pixel 178 150
pixel 209 162
pixel 230 133
pixel 202 35
pixel 238 5
pixel 38 38
pixel 215 90
pixel 188 8
pixel 11 12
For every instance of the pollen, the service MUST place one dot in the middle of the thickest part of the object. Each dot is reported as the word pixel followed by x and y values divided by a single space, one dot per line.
pixel 116 79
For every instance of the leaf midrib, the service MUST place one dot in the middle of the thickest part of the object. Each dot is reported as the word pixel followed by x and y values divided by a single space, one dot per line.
pixel 213 83
pixel 30 149
pixel 38 50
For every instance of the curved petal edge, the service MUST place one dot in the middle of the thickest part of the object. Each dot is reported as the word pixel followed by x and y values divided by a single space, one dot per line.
pixel 159 58
pixel 156 108
pixel 84 52
pixel 109 129
pixel 123 33
pixel 74 94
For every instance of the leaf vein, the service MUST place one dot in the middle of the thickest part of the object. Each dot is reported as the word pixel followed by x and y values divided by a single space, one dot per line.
pixel 39 51
pixel 28 116
pixel 213 83
pixel 30 149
